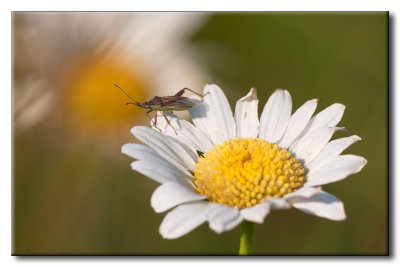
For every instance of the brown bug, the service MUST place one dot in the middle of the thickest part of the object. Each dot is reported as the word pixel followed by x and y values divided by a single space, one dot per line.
pixel 164 104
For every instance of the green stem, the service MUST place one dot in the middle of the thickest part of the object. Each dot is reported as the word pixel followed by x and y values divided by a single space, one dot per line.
pixel 246 238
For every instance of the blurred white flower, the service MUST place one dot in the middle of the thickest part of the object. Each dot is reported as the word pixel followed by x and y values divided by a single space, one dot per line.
pixel 66 62
pixel 247 166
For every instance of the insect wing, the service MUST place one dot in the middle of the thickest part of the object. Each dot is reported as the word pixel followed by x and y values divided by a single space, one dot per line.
pixel 179 102
pixel 190 101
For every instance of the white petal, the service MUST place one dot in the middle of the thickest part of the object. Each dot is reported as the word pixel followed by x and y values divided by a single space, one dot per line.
pixel 275 116
pixel 169 149
pixel 233 223
pixel 246 115
pixel 214 115
pixel 183 219
pixel 335 170
pixel 323 205
pixel 189 150
pixel 256 213
pixel 148 159
pixel 305 192
pixel 186 132
pixel 332 149
pixel 298 121
pixel 222 218
pixel 171 194
pixel 160 171
pixel 140 152
pixel 312 143
pixel 277 203
pixel 329 117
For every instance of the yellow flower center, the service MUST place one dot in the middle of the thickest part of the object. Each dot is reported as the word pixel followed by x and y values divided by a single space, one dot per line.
pixel 243 172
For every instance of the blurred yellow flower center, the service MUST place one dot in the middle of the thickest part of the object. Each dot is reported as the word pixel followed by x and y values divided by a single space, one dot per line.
pixel 92 96
pixel 93 106
pixel 243 172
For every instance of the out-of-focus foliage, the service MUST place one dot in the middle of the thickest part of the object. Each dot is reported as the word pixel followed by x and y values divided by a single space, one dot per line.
pixel 75 197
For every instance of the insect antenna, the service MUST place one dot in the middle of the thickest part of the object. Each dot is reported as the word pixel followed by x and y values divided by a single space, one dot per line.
pixel 135 102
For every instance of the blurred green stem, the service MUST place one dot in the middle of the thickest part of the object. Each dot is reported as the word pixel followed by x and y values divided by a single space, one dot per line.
pixel 246 238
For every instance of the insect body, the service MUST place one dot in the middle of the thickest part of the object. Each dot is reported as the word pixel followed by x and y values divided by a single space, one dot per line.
pixel 164 104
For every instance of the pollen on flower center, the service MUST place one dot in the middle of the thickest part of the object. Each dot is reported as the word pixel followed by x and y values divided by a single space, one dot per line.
pixel 243 172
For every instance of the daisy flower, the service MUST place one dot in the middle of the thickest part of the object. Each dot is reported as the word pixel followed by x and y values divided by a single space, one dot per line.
pixel 225 169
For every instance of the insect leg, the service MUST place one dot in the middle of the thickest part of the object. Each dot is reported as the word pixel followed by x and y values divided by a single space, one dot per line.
pixel 183 90
pixel 147 113
pixel 155 122
pixel 169 123
pixel 155 119
pixel 180 92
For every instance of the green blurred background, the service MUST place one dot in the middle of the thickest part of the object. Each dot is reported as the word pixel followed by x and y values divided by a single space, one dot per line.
pixel 74 192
